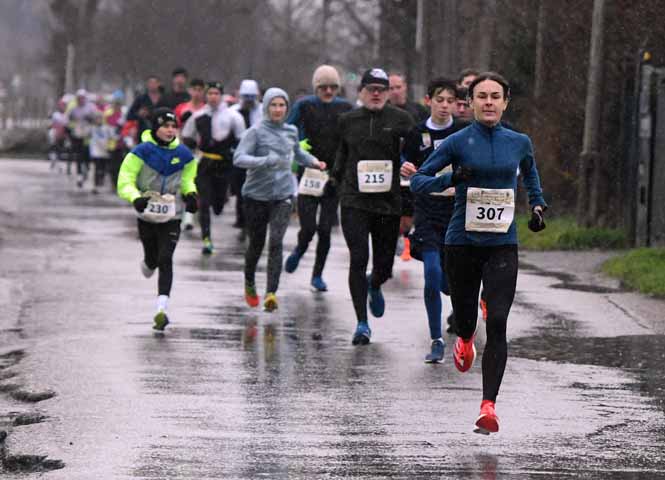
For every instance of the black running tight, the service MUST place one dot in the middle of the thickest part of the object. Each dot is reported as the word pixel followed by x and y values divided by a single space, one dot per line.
pixel 159 241
pixel 496 267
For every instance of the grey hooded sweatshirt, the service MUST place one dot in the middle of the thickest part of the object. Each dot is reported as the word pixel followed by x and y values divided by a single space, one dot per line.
pixel 266 150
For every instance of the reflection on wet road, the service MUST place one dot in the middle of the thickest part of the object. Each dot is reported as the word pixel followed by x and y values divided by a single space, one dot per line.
pixel 234 393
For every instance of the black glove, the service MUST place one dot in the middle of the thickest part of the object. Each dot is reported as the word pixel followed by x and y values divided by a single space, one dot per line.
pixel 140 204
pixel 537 222
pixel 461 174
pixel 191 202
pixel 330 190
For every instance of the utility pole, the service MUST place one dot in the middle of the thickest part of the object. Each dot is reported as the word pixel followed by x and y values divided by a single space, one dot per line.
pixel 589 162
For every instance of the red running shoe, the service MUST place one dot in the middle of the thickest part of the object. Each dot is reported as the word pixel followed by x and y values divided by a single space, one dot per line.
pixel 487 422
pixel 464 353
pixel 251 297
pixel 483 308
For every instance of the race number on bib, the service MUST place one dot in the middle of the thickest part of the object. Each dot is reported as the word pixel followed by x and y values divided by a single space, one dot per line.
pixel 313 182
pixel 160 209
pixel 489 210
pixel 448 192
pixel 375 176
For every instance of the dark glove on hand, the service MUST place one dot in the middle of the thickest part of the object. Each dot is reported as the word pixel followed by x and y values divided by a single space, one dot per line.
pixel 461 174
pixel 140 204
pixel 330 190
pixel 191 202
pixel 537 222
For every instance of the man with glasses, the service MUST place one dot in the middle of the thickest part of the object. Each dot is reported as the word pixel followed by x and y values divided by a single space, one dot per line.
pixel 316 117
pixel 367 172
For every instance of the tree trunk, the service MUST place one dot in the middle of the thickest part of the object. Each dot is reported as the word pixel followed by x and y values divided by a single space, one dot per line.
pixel 325 17
pixel 540 51
pixel 486 35
pixel 590 162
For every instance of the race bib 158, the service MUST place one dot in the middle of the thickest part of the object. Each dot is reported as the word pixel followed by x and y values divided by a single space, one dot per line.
pixel 313 182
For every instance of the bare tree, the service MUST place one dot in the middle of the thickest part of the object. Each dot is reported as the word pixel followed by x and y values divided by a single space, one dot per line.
pixel 590 161
pixel 71 21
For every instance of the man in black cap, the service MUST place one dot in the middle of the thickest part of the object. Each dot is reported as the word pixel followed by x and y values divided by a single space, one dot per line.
pixel 366 173
pixel 216 130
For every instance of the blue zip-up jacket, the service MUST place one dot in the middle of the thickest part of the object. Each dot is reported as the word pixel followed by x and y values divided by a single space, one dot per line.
pixel 493 154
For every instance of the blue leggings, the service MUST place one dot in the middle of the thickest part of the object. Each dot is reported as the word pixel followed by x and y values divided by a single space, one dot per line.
pixel 435 283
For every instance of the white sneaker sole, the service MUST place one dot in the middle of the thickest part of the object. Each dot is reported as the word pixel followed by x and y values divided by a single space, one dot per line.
pixel 433 361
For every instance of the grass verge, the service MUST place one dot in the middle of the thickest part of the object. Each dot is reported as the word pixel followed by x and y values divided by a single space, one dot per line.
pixel 562 233
pixel 642 269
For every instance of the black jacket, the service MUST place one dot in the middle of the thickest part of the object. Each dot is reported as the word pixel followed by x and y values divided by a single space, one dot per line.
pixel 370 135
pixel 317 121
pixel 141 101
pixel 173 99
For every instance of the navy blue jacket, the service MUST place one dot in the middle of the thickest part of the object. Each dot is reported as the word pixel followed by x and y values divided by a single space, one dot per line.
pixel 418 146
pixel 317 122
pixel 494 154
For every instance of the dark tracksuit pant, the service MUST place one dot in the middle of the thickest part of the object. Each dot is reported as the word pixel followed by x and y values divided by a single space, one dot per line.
pixel 308 206
pixel 212 182
pixel 237 181
pixel 357 226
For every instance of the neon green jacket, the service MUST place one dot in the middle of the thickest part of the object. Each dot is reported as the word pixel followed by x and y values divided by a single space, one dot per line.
pixel 151 167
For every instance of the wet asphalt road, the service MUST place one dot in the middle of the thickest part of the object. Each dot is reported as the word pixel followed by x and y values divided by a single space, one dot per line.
pixel 231 392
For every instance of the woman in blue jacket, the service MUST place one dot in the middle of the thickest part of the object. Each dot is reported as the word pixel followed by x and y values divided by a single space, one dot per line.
pixel 481 240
